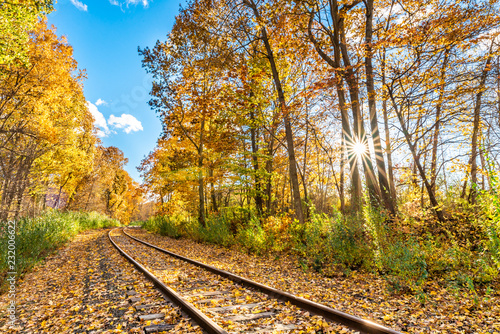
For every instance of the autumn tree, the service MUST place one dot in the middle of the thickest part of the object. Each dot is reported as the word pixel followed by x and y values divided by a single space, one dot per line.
pixel 186 90
pixel 290 95
pixel 42 113
pixel 423 40
pixel 17 19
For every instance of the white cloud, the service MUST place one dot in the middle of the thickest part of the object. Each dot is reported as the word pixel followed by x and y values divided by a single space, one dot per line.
pixel 126 122
pixel 99 119
pixel 135 2
pixel 80 5
pixel 101 101
pixel 100 133
pixel 144 3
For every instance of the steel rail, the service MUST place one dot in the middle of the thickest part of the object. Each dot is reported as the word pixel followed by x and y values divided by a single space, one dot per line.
pixel 353 322
pixel 201 319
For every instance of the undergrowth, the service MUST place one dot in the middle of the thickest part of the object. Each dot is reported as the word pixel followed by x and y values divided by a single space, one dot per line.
pixel 406 251
pixel 37 237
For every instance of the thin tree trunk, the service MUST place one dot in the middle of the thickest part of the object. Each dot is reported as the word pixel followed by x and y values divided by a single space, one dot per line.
pixel 304 166
pixel 255 161
pixel 286 115
pixel 285 181
pixel 422 202
pixel 60 191
pixel 370 87
pixel 475 131
pixel 20 192
pixel 436 207
pixel 498 88
pixel 388 149
pixel 212 190
pixel 201 195
pixel 485 169
pixel 269 170
pixel 438 120
pixel 90 194
pixel 341 186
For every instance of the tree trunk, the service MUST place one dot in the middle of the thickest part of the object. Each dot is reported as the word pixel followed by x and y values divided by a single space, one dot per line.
pixel 212 190
pixel 90 194
pixel 286 115
pixel 269 179
pixel 485 168
pixel 388 148
pixel 437 123
pixel 60 191
pixel 255 162
pixel 436 207
pixel 359 128
pixel 341 185
pixel 201 195
pixel 304 165
pixel 476 130
pixel 370 87
pixel 356 194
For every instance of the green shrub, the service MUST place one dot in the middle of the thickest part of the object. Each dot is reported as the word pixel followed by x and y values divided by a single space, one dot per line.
pixel 348 246
pixel 163 225
pixel 329 243
pixel 253 238
pixel 490 202
pixel 216 231
pixel 405 265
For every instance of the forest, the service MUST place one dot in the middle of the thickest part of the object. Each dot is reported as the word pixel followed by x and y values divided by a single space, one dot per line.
pixel 356 134
pixel 56 177
pixel 50 154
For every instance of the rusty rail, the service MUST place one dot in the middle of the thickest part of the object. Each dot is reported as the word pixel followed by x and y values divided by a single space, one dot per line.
pixel 353 322
pixel 201 319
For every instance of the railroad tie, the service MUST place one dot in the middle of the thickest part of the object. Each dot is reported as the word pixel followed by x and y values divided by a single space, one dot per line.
pixel 132 300
pixel 153 316
pixel 207 294
pixel 158 328
pixel 250 316
pixel 233 307
pixel 142 307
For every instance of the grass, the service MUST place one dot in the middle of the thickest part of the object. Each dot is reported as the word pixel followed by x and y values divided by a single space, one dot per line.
pixel 38 237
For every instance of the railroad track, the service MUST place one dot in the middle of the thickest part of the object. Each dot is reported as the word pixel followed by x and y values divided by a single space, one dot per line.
pixel 222 302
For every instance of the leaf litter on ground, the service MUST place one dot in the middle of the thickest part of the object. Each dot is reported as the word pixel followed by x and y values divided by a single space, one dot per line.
pixel 362 294
pixel 87 287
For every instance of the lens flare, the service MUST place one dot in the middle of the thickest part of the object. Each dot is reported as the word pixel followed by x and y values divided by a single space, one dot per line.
pixel 359 149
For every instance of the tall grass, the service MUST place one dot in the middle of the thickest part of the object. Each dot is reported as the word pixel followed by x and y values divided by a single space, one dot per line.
pixel 37 237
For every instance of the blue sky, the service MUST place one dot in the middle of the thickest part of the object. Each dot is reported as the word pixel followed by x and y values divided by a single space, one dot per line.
pixel 105 35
